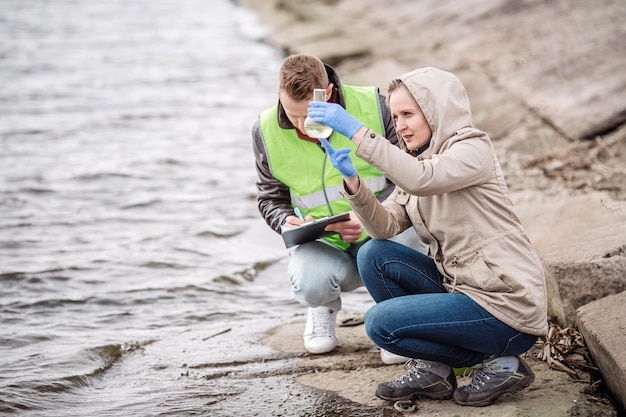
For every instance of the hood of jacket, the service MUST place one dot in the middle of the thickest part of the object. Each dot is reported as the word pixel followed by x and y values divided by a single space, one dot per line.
pixel 444 102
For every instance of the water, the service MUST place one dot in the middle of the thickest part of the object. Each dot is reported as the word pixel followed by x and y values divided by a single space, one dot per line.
pixel 313 129
pixel 316 130
pixel 130 241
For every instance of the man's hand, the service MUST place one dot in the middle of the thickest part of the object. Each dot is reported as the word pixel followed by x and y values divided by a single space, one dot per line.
pixel 294 221
pixel 350 230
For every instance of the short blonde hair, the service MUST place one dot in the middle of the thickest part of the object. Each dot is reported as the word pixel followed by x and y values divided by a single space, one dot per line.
pixel 300 74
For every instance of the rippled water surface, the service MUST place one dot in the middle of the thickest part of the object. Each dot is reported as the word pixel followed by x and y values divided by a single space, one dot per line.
pixel 128 251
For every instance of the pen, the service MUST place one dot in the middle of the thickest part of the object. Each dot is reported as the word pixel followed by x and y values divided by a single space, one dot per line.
pixel 298 213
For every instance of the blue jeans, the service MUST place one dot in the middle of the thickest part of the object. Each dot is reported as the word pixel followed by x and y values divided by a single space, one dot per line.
pixel 416 317
pixel 319 272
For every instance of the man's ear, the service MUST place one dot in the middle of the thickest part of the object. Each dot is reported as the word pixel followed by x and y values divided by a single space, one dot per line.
pixel 329 91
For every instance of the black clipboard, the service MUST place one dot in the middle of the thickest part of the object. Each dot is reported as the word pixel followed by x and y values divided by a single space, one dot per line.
pixel 311 230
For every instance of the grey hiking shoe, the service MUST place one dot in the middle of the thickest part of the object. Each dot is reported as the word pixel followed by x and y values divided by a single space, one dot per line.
pixel 506 374
pixel 424 379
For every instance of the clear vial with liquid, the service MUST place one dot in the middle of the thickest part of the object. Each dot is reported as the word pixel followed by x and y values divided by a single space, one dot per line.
pixel 313 129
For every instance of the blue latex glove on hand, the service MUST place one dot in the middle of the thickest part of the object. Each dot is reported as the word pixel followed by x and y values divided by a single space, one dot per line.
pixel 340 159
pixel 335 116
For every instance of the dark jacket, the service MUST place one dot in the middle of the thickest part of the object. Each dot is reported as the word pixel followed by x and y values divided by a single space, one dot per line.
pixel 273 196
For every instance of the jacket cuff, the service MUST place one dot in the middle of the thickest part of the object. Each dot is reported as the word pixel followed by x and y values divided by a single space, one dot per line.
pixel 359 198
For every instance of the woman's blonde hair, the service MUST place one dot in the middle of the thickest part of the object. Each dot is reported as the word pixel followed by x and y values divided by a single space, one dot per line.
pixel 300 74
pixel 393 85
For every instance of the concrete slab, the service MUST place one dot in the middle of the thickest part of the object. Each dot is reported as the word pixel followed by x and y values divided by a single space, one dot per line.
pixel 603 325
pixel 581 240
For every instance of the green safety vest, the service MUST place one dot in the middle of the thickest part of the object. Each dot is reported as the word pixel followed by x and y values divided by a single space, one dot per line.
pixel 313 182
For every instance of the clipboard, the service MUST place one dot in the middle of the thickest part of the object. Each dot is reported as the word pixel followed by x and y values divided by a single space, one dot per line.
pixel 311 230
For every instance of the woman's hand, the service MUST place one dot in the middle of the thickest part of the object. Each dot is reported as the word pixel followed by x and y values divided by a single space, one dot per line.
pixel 342 162
pixel 335 116
pixel 340 159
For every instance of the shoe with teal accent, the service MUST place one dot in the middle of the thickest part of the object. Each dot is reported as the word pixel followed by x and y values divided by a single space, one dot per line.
pixel 503 375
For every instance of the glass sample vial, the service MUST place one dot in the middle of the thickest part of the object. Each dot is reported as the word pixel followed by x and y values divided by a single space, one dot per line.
pixel 313 129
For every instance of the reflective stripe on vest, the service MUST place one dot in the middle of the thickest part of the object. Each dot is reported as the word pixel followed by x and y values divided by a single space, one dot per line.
pixel 313 200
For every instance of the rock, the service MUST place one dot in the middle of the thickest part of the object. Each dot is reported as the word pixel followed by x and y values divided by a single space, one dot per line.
pixel 582 242
pixel 603 326
pixel 543 77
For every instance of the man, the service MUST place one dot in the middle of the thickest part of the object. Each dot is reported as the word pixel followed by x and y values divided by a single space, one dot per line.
pixel 294 172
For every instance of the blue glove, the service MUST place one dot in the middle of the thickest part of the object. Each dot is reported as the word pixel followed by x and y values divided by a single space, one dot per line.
pixel 340 159
pixel 335 116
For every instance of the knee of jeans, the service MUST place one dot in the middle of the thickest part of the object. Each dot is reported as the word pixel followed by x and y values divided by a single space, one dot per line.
pixel 313 291
pixel 367 252
pixel 519 344
pixel 372 326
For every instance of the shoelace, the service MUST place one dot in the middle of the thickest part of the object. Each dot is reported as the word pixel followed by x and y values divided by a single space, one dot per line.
pixel 320 323
pixel 467 372
pixel 413 367
pixel 483 374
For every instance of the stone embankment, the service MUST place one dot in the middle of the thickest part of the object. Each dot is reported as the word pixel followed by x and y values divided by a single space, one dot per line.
pixel 546 80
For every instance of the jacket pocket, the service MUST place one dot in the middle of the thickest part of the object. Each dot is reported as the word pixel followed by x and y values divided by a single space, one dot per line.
pixel 480 276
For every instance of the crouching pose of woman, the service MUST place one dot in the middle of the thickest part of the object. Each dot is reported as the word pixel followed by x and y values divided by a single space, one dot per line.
pixel 478 299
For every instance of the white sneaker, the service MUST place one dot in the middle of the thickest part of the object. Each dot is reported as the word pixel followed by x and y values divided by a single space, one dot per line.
pixel 389 358
pixel 319 333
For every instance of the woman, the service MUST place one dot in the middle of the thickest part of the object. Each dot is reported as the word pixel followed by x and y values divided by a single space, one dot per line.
pixel 479 298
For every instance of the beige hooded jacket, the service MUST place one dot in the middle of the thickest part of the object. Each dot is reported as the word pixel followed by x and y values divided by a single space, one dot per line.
pixel 455 196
